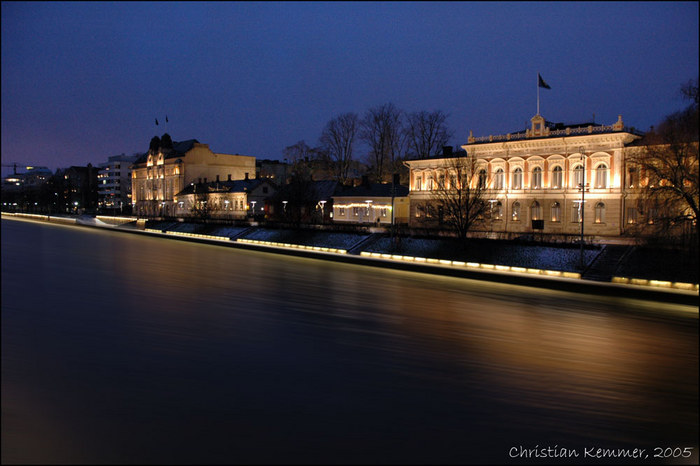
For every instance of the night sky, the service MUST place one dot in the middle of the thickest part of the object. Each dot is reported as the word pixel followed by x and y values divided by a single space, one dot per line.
pixel 85 81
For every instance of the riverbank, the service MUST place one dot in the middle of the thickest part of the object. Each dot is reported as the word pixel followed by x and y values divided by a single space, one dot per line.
pixel 546 266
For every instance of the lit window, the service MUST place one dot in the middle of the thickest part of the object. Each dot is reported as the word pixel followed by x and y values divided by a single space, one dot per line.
pixel 482 179
pixel 578 176
pixel 516 211
pixel 419 183
pixel 631 215
pixel 518 178
pixel 599 213
pixel 536 211
pixel 557 178
pixel 536 179
pixel 498 211
pixel 576 212
pixel 601 176
pixel 498 180
pixel 556 212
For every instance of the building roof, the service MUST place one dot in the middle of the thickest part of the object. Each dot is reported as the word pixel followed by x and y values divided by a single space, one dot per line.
pixel 233 186
pixel 179 149
pixel 371 190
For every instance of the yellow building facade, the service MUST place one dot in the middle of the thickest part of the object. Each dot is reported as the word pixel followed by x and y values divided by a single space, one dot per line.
pixel 159 175
pixel 533 180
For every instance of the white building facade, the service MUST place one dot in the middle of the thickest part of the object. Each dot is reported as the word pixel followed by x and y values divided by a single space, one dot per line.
pixel 534 179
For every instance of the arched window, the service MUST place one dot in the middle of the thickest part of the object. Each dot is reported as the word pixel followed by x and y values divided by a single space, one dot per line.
pixel 556 212
pixel 601 176
pixel 576 212
pixel 535 211
pixel 516 211
pixel 430 185
pixel 498 179
pixel 557 177
pixel 578 176
pixel 419 183
pixel 599 213
pixel 518 178
pixel 498 211
pixel 482 179
pixel 536 178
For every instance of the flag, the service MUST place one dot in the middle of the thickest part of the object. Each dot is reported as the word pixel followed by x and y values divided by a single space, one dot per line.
pixel 166 118
pixel 541 83
pixel 156 121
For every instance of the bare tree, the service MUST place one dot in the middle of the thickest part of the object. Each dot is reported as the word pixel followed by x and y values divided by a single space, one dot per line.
pixel 338 140
pixel 427 133
pixel 668 162
pixel 201 202
pixel 458 194
pixel 382 130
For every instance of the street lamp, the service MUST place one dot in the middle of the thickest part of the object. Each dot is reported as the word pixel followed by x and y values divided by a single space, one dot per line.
pixel 582 186
pixel 253 204
pixel 323 203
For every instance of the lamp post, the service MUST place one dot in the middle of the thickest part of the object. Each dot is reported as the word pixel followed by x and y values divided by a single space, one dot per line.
pixel 253 204
pixel 323 204
pixel 582 187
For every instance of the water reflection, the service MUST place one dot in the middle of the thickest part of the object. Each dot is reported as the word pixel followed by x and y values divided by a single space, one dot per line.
pixel 128 349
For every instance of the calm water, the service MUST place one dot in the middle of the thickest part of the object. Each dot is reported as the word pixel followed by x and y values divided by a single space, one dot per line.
pixel 118 348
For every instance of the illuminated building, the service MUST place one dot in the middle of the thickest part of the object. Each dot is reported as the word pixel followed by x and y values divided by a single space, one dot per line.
pixel 161 173
pixel 225 199
pixel 533 179
pixel 114 183
pixel 371 203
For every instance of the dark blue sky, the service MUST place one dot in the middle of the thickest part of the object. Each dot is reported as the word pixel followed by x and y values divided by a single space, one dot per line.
pixel 84 81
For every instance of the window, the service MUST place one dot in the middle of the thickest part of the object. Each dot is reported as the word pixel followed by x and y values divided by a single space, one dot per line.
pixel 453 181
pixel 556 212
pixel 632 179
pixel 536 211
pixel 356 211
pixel 342 212
pixel 498 180
pixel 441 182
pixel 536 179
pixel 498 211
pixel 518 178
pixel 482 179
pixel 516 211
pixel 383 211
pixel 652 215
pixel 601 176
pixel 430 186
pixel 419 183
pixel 631 215
pixel 576 212
pixel 578 176
pixel 599 213
pixel 557 177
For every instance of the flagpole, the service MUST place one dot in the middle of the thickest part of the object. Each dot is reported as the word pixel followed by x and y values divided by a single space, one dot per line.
pixel 538 92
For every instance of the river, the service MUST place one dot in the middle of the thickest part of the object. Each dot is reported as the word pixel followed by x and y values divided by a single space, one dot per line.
pixel 123 348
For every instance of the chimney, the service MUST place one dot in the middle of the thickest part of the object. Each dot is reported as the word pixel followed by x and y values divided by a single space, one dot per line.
pixel 217 178
pixel 229 177
pixel 246 176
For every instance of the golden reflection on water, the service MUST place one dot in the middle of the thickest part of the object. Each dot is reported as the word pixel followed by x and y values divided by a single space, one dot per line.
pixel 576 362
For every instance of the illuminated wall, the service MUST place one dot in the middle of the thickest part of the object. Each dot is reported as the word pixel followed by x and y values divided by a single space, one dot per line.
pixel 536 175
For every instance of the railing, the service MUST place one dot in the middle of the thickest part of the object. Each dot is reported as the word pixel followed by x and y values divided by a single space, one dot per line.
pixel 550 133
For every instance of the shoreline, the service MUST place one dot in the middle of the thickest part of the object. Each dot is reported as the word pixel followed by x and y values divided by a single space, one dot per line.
pixel 645 290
